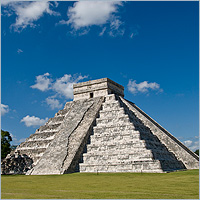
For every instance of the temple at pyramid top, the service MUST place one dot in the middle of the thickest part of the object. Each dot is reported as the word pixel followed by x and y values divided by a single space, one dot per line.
pixel 97 88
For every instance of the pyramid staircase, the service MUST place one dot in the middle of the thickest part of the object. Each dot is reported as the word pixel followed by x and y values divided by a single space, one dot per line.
pixel 122 143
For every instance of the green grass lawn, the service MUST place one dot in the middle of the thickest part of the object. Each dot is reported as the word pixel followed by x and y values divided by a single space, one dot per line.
pixel 175 185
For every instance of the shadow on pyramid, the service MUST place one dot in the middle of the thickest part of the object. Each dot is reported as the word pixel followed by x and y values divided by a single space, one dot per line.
pixel 99 131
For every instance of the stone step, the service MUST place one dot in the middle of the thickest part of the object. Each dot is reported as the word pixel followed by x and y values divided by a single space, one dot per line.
pixel 113 113
pixel 120 155
pixel 35 144
pixel 109 160
pixel 111 106
pixel 100 131
pixel 124 122
pixel 118 151
pixel 41 136
pixel 162 156
pixel 49 127
pixel 148 166
pixel 145 155
pixel 113 147
pixel 109 128
pixel 56 119
pixel 35 154
pixel 28 151
pixel 115 132
pixel 127 138
pixel 62 112
pixel 133 143
pixel 111 97
pixel 120 119
pixel 51 123
pixel 31 148
pixel 158 153
pixel 113 136
pixel 124 162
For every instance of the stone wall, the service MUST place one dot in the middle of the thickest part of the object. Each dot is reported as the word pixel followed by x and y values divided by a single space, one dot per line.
pixel 96 88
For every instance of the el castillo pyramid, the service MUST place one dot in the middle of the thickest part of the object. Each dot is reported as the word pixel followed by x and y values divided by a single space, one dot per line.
pixel 99 131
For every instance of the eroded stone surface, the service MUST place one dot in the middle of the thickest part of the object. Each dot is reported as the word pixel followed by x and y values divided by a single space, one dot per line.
pixel 16 164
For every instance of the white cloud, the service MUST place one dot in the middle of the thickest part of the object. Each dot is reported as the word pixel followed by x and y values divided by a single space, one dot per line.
pixel 102 32
pixel 133 34
pixel 42 82
pixel 33 121
pixel 193 145
pixel 62 22
pixel 115 29
pixel 188 142
pixel 6 2
pixel 53 103
pixel 29 12
pixel 88 13
pixel 142 87
pixel 64 85
pixel 21 140
pixel 134 30
pixel 4 109
pixel 19 51
pixel 84 14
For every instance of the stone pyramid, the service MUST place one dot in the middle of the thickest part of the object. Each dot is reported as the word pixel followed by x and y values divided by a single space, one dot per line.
pixel 99 131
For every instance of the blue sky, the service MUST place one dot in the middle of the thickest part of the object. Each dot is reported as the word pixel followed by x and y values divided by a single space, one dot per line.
pixel 151 48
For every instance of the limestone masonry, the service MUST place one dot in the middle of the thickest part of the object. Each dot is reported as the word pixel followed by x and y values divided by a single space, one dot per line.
pixel 99 131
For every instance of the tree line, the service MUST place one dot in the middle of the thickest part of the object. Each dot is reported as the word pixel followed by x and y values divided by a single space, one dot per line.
pixel 6 147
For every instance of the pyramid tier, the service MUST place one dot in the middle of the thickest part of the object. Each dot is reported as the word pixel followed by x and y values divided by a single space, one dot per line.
pixel 45 135
pixel 36 144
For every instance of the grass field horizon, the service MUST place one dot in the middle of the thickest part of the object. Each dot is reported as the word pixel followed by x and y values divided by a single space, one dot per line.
pixel 174 185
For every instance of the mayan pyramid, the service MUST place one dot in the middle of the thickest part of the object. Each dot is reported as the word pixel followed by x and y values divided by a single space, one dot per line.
pixel 99 131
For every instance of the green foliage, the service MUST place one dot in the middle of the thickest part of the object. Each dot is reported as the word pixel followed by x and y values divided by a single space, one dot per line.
pixel 5 143
pixel 13 147
pixel 197 152
pixel 175 185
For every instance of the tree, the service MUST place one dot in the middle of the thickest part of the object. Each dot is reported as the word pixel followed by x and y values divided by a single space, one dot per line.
pixel 5 143
pixel 197 152
pixel 13 147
